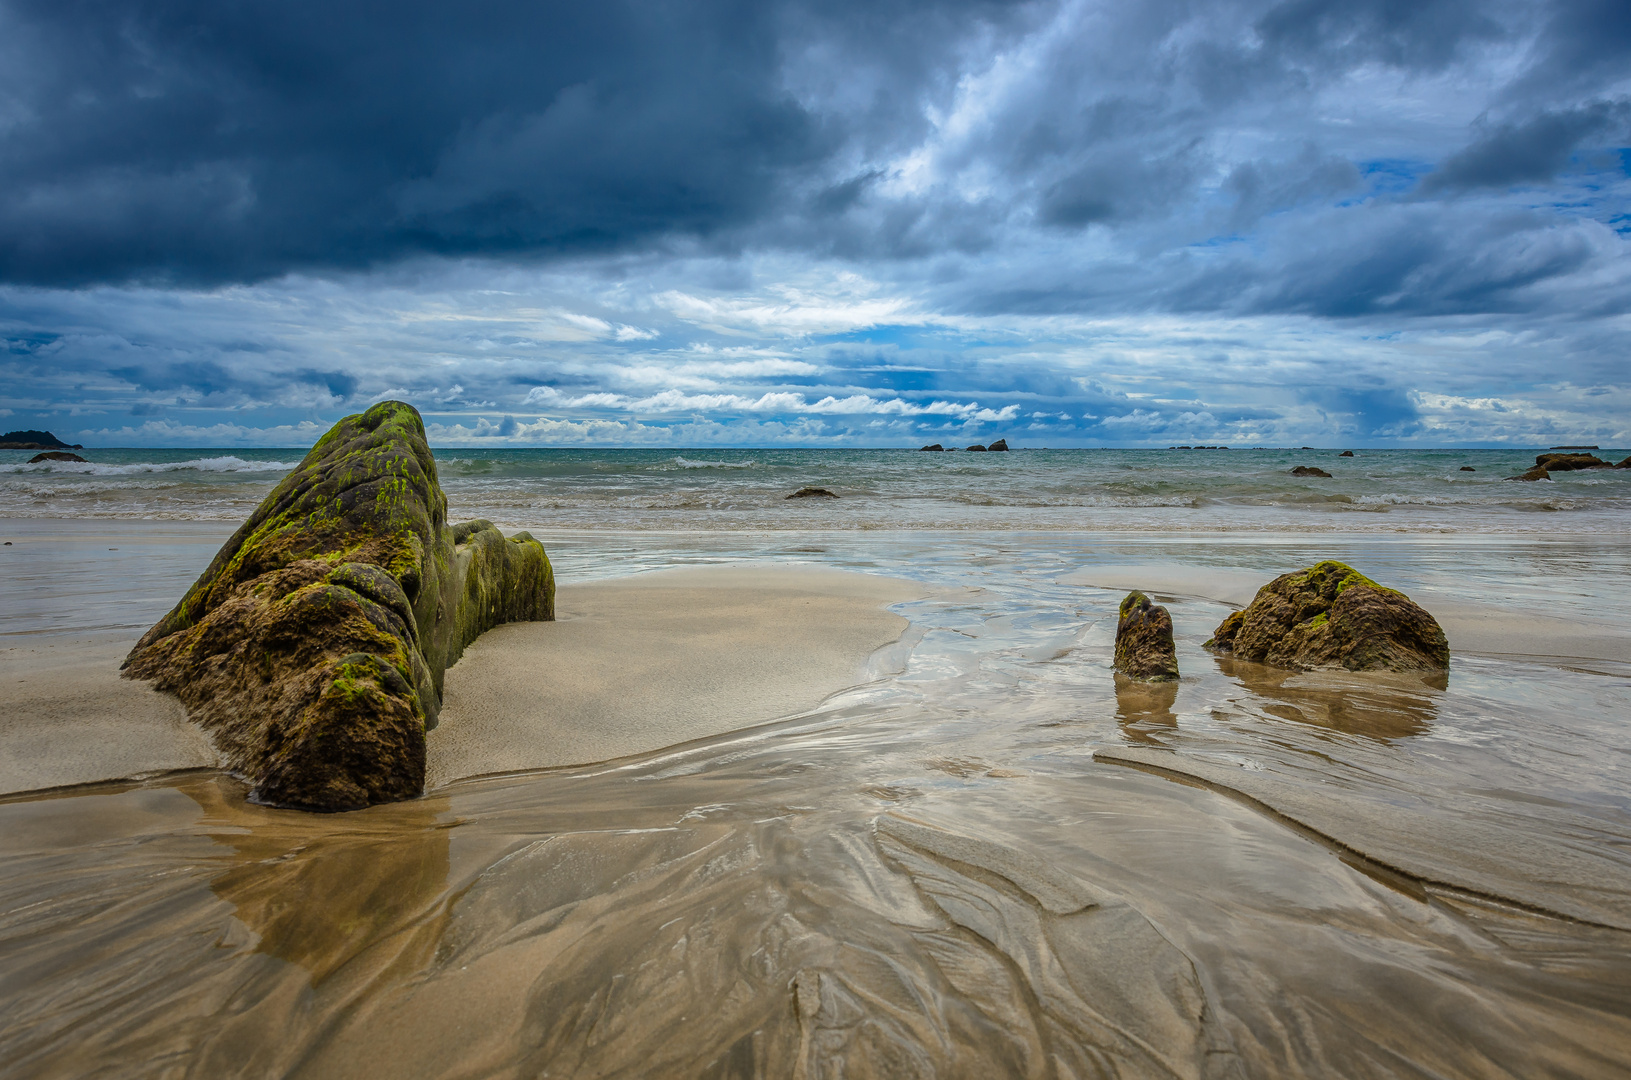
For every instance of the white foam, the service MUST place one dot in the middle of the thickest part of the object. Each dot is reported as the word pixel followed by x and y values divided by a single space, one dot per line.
pixel 687 463
pixel 227 464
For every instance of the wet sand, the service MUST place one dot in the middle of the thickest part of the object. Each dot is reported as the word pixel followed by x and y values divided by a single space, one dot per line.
pixel 637 664
pixel 993 863
pixel 66 717
pixel 631 666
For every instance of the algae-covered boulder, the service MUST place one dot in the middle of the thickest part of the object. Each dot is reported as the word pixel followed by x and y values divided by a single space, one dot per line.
pixel 1144 647
pixel 1332 616
pixel 313 646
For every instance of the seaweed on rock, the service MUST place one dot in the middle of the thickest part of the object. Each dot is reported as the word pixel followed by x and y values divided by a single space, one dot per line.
pixel 313 646
pixel 1332 616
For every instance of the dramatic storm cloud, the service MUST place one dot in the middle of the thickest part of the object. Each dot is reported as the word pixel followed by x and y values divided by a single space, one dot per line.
pixel 699 223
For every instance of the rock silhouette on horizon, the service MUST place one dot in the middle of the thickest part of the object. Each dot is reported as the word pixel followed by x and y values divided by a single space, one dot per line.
pixel 313 647
pixel 1144 647
pixel 1331 616
pixel 34 440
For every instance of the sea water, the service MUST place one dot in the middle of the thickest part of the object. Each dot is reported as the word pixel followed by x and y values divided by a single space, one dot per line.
pixel 985 861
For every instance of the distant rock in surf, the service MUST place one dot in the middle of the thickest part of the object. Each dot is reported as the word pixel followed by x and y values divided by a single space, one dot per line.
pixel 1331 616
pixel 999 445
pixel 313 647
pixel 1309 470
pixel 812 493
pixel 1346 453
pixel 1468 468
pixel 1570 462
pixel 932 446
pixel 1144 647
pixel 55 455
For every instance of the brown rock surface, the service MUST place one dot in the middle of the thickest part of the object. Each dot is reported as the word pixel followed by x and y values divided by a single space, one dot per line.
pixel 1144 646
pixel 1536 473
pixel 1332 616
pixel 312 648
pixel 1569 462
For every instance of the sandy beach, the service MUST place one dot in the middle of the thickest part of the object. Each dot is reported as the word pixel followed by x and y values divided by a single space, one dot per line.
pixel 634 665
pixel 630 666
pixel 983 853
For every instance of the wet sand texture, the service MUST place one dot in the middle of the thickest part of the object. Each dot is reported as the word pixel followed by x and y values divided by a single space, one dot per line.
pixel 635 665
pixel 632 666
pixel 66 717
pixel 1461 854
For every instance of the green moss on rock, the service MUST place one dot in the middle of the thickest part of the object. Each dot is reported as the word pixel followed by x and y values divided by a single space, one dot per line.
pixel 1144 647
pixel 313 646
pixel 1332 616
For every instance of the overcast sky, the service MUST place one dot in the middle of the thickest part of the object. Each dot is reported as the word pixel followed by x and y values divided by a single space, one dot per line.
pixel 878 223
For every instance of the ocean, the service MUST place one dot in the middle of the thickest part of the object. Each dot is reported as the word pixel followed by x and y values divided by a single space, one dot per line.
pixel 1254 874
pixel 1030 489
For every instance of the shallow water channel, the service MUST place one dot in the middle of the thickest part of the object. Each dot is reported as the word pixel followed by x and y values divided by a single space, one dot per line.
pixel 985 862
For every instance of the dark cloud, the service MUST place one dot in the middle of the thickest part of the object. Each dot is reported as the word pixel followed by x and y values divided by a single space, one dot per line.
pixel 203 142
pixel 1533 151
pixel 1403 33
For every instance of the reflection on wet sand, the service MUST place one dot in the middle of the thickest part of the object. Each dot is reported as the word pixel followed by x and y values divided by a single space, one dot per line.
pixel 1377 705
pixel 1144 710
pixel 316 895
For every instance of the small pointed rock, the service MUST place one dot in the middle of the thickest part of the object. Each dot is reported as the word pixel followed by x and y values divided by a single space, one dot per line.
pixel 1144 648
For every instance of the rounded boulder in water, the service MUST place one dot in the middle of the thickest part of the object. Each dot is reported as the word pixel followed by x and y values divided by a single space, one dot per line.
pixel 1144 646
pixel 1330 616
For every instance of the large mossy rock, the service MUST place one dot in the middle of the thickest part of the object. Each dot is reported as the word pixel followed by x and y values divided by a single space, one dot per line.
pixel 1144 648
pixel 1332 616
pixel 313 647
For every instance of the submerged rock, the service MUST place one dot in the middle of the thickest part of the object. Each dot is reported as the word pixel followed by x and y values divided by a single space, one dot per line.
pixel 313 646
pixel 1332 616
pixel 1309 470
pixel 1468 468
pixel 1569 462
pixel 1144 647
pixel 55 455
pixel 812 493
pixel 999 446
